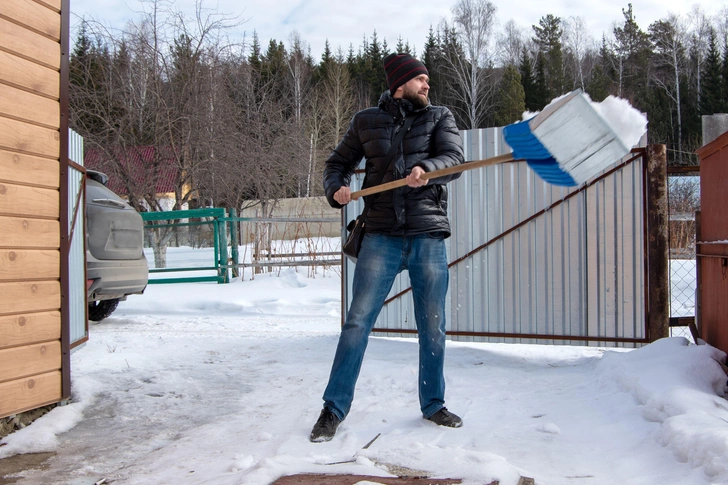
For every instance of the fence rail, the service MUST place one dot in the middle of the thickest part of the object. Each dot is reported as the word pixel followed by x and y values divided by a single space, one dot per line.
pixel 221 229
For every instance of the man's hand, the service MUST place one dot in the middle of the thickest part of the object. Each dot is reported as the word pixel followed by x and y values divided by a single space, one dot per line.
pixel 343 195
pixel 414 180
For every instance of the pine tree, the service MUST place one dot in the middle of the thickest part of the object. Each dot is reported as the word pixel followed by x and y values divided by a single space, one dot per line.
pixel 711 95
pixel 403 47
pixel 88 77
pixel 633 51
pixel 376 77
pixel 432 59
pixel 548 37
pixel 541 94
pixel 525 69
pixel 511 98
pixel 254 58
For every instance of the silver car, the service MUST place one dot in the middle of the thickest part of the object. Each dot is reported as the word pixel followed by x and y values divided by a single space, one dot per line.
pixel 115 262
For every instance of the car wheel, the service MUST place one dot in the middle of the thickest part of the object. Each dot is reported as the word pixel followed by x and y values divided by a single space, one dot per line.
pixel 98 310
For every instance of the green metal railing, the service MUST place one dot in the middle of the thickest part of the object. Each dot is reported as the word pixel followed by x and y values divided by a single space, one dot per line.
pixel 225 227
pixel 216 217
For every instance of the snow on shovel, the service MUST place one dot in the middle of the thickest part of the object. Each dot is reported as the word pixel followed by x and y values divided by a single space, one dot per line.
pixel 566 144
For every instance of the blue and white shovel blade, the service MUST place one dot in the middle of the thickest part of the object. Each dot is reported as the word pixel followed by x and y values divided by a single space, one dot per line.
pixel 567 143
pixel 526 146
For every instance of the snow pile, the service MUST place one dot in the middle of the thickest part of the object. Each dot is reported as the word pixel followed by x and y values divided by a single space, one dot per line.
pixel 683 394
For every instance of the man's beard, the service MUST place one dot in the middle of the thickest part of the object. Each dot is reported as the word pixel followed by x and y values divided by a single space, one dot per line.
pixel 419 101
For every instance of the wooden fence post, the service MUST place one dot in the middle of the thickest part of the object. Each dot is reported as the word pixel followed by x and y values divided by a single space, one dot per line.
pixel 658 277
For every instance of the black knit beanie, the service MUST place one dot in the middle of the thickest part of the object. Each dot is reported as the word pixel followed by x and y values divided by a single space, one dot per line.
pixel 400 68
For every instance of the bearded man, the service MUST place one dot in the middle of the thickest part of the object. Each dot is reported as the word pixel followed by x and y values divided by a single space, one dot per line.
pixel 405 229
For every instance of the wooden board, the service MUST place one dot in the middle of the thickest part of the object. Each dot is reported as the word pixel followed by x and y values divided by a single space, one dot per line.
pixel 30 45
pixel 29 360
pixel 29 264
pixel 27 169
pixel 28 107
pixel 25 74
pixel 20 200
pixel 52 4
pixel 29 393
pixel 34 16
pixel 34 140
pixel 29 328
pixel 17 232
pixel 34 296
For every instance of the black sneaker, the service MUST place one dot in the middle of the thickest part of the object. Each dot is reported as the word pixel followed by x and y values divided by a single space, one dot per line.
pixel 445 418
pixel 325 427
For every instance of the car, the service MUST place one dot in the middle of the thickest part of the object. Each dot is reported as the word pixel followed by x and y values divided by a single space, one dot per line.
pixel 115 263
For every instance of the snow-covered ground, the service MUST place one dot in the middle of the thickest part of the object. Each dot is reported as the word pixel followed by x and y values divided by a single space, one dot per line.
pixel 220 384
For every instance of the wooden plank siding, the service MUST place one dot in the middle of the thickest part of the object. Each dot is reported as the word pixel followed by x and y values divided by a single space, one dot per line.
pixel 16 232
pixel 17 330
pixel 31 127
pixel 25 74
pixel 24 264
pixel 19 200
pixel 28 170
pixel 28 45
pixel 29 392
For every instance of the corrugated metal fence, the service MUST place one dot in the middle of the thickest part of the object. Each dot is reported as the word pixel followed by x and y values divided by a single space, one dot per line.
pixel 77 241
pixel 533 262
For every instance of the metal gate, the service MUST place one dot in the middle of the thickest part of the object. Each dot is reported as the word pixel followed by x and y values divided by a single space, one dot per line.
pixel 535 263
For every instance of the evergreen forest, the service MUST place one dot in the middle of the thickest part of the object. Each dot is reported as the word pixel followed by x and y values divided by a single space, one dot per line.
pixel 232 122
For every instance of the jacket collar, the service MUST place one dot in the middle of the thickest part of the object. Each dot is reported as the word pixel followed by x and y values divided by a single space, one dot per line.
pixel 399 107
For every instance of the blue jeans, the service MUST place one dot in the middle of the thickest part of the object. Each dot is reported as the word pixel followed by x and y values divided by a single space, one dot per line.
pixel 381 258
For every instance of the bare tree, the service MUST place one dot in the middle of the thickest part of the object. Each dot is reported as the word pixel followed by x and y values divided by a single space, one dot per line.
pixel 331 110
pixel 155 106
pixel 578 43
pixel 510 44
pixel 699 23
pixel 468 65
pixel 300 71
pixel 669 37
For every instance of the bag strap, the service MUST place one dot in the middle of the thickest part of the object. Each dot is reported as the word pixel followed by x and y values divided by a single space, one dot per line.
pixel 390 156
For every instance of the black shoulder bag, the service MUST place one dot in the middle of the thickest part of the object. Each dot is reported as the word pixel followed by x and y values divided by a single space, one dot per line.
pixel 352 245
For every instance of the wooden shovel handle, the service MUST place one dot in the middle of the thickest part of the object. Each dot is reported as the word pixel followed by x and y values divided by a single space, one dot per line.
pixel 433 175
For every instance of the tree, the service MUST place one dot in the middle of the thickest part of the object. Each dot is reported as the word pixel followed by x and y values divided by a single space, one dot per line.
pixel 669 58
pixel 578 43
pixel 548 38
pixel 511 98
pixel 432 59
pixel 632 52
pixel 541 93
pixel 525 68
pixel 468 59
pixel 510 45
pixel 711 96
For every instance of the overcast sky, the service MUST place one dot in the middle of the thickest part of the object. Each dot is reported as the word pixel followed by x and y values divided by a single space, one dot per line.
pixel 345 22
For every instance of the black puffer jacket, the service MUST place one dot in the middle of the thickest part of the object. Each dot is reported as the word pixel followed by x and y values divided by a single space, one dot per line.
pixel 432 143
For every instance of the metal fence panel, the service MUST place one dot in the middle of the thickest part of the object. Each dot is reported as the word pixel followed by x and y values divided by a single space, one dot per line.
pixel 552 262
pixel 77 248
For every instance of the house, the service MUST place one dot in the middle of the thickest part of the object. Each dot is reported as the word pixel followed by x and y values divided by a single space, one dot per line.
pixel 140 167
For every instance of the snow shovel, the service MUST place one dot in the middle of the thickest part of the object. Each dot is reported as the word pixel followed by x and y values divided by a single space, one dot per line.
pixel 566 144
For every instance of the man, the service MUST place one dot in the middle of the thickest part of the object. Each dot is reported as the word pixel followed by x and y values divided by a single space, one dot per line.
pixel 405 229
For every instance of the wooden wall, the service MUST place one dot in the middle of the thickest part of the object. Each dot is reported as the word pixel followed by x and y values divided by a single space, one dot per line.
pixel 31 33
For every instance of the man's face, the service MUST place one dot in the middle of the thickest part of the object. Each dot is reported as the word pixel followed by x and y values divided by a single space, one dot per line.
pixel 416 89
